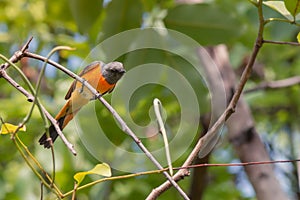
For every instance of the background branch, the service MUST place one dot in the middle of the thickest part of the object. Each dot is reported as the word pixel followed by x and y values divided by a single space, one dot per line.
pixel 17 55
pixel 225 115
pixel 276 84
pixel 101 26
pixel 124 126
pixel 203 165
pixel 281 43
pixel 30 97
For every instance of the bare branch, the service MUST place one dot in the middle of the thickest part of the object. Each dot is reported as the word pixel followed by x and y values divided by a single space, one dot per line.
pixel 126 176
pixel 122 123
pixel 226 114
pixel 276 84
pixel 157 109
pixel 17 55
pixel 281 43
pixel 30 98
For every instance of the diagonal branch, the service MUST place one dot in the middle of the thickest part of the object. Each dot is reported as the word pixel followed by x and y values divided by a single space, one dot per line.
pixel 122 123
pixel 15 58
pixel 276 84
pixel 30 98
pixel 17 55
pixel 224 116
pixel 23 53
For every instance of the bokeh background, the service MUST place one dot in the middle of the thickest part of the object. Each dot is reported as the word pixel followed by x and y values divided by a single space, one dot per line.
pixel 86 24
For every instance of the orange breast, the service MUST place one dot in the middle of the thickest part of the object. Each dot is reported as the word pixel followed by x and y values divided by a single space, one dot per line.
pixel 103 86
pixel 95 78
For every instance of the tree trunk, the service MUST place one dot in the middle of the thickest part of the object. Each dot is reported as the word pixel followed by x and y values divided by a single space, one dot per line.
pixel 244 137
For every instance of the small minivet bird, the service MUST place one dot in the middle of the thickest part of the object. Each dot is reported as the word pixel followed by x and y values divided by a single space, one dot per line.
pixel 103 77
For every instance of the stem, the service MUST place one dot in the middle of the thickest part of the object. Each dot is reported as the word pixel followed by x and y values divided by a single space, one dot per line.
pixel 225 115
pixel 157 109
pixel 124 126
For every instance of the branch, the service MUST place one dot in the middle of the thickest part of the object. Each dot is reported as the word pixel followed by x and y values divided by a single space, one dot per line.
pixel 126 176
pixel 30 98
pixel 225 115
pixel 124 126
pixel 128 131
pixel 157 109
pixel 276 84
pixel 122 123
pixel 281 43
pixel 55 64
pixel 17 55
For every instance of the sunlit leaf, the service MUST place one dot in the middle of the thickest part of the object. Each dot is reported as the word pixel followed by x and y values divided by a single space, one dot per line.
pixel 7 128
pixel 100 169
pixel 293 6
pixel 279 7
pixel 298 37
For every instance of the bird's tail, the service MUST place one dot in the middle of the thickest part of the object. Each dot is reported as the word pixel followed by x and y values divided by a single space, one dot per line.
pixel 63 118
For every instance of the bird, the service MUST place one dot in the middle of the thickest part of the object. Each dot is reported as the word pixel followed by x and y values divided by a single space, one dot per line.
pixel 103 77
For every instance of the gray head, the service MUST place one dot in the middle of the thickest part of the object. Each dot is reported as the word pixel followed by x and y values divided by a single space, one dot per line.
pixel 113 71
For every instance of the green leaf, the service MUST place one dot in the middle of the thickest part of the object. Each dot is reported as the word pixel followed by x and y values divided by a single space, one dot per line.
pixel 85 13
pixel 298 37
pixel 280 8
pixel 8 128
pixel 206 23
pixel 100 169
pixel 293 6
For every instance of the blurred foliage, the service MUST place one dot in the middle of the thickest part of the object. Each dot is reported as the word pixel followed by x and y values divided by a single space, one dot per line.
pixel 83 25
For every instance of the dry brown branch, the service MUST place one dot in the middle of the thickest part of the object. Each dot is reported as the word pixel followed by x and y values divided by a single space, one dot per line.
pixel 276 84
pixel 226 114
pixel 19 54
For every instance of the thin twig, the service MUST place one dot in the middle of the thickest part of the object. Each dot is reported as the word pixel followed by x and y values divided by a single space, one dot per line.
pixel 39 166
pixel 225 115
pixel 157 109
pixel 237 164
pixel 127 130
pixel 17 55
pixel 281 43
pixel 284 83
pixel 176 168
pixel 42 191
pixel 30 98
pixel 27 82
pixel 122 123
pixel 15 58
pixel 27 160
pixel 273 19
pixel 55 64
pixel 74 191
pixel 37 89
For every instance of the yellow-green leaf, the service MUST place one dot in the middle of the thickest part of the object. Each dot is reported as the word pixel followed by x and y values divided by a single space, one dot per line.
pixel 100 169
pixel 280 7
pixel 7 128
pixel 293 6
pixel 298 37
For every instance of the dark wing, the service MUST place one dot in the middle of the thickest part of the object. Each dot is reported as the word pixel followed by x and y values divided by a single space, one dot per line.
pixel 88 68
